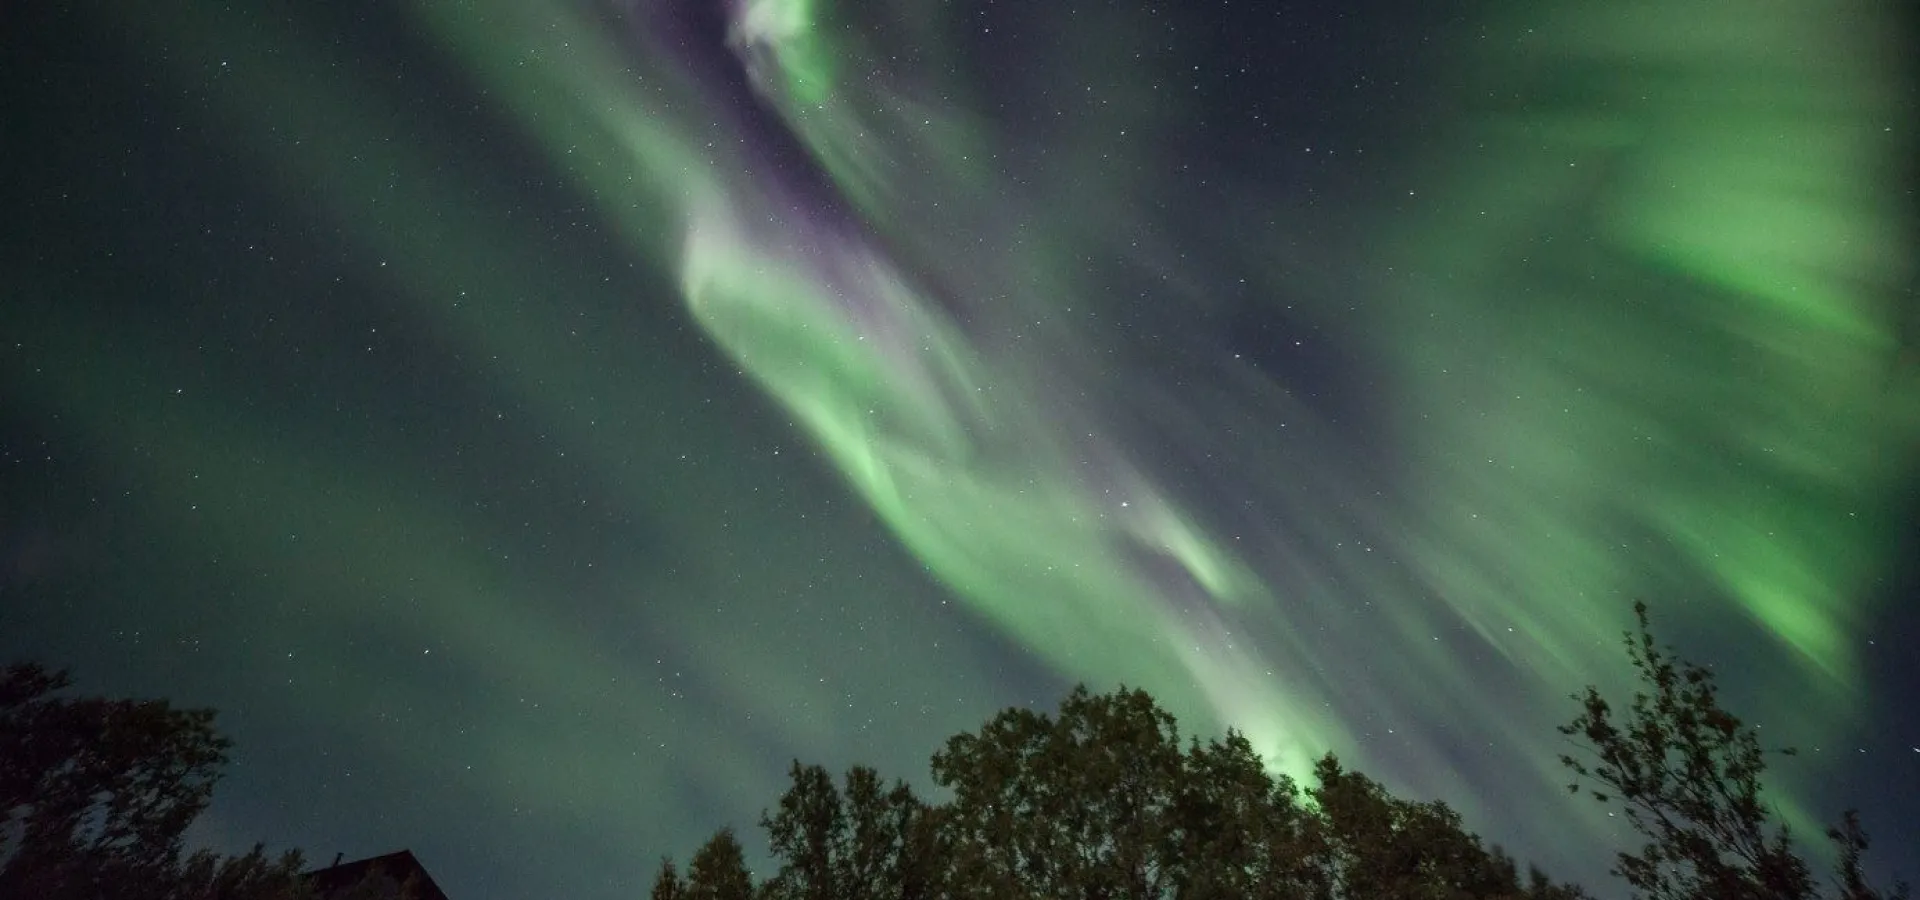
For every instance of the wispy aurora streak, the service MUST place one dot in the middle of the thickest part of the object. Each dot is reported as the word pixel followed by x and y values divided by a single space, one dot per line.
pixel 1640 341
pixel 1631 331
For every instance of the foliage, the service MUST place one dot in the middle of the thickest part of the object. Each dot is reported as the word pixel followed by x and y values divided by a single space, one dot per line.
pixel 668 884
pixel 718 870
pixel 1069 806
pixel 251 876
pixel 1381 846
pixel 1102 802
pixel 870 841
pixel 96 795
pixel 1688 775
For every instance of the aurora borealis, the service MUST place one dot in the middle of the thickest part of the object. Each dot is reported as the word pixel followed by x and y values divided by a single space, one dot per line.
pixel 534 422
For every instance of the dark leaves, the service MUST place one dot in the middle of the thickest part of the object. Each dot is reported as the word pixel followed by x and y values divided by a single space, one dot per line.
pixel 1102 802
pixel 1687 774
pixel 95 795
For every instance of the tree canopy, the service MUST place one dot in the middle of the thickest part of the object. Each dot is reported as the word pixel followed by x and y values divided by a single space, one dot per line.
pixel 1688 775
pixel 1103 801
pixel 96 796
pixel 93 790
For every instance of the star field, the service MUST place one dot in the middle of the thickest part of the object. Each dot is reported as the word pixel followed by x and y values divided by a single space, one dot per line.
pixel 532 424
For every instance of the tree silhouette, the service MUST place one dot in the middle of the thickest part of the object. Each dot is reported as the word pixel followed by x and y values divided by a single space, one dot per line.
pixel 95 794
pixel 1075 806
pixel 254 875
pixel 667 885
pixel 718 870
pixel 870 842
pixel 1688 775
pixel 1241 832
pixel 892 852
pixel 810 835
pixel 1378 845
pixel 1099 802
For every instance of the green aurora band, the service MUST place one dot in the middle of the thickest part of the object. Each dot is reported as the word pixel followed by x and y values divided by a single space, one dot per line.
pixel 1634 330
pixel 1658 311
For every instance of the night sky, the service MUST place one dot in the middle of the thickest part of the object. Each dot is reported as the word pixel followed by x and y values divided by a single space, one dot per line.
pixel 532 423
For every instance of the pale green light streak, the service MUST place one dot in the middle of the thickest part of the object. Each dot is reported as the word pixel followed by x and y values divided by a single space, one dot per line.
pixel 1569 444
pixel 1717 392
pixel 324 141
pixel 1709 359
pixel 1684 358
pixel 973 482
pixel 893 394
pixel 788 28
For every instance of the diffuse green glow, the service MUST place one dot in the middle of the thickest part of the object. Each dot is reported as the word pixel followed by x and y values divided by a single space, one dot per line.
pixel 1707 361
pixel 969 478
pixel 1637 343
pixel 1696 372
